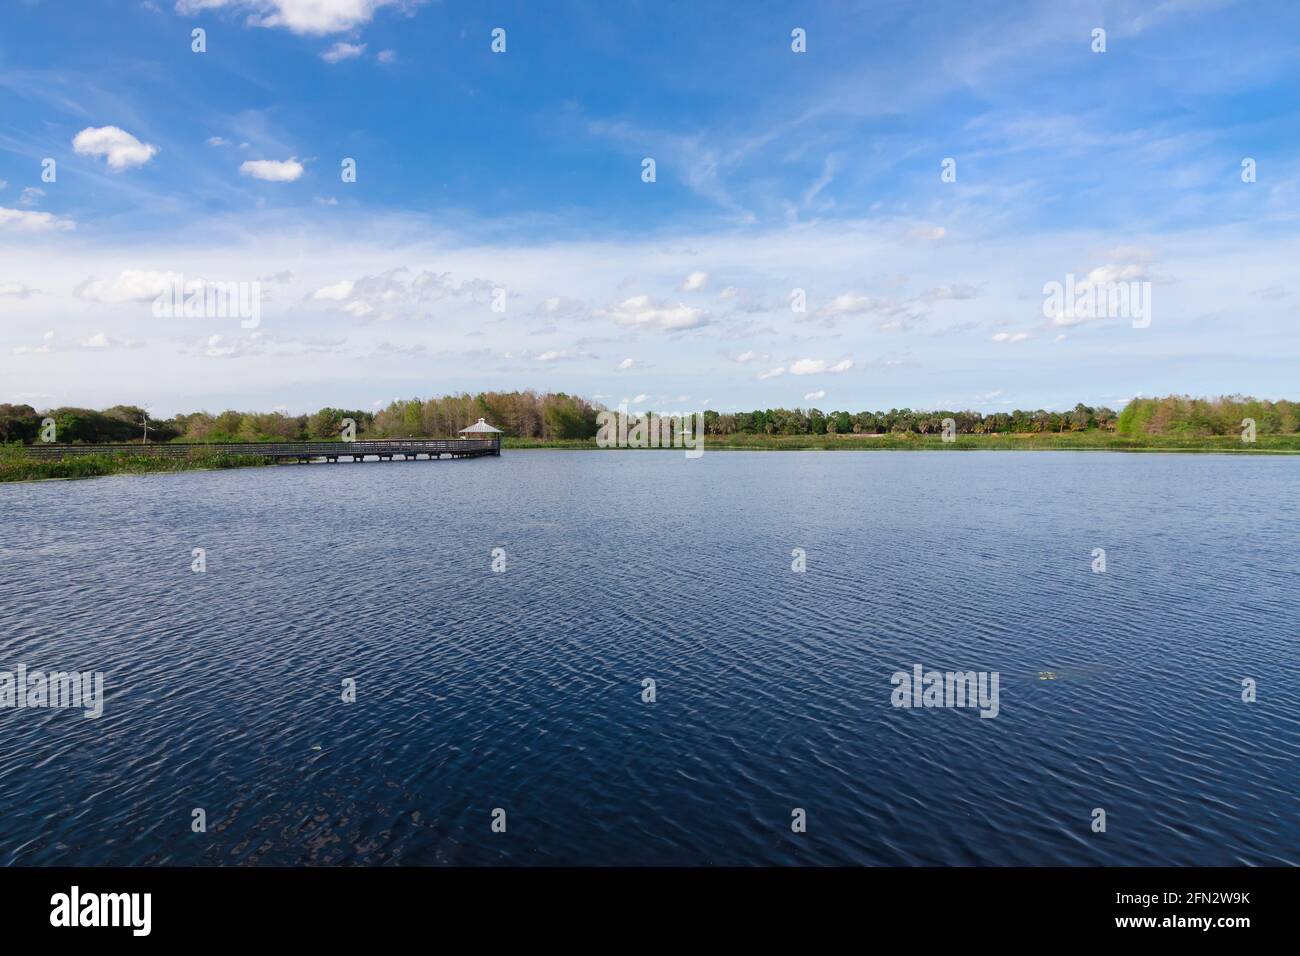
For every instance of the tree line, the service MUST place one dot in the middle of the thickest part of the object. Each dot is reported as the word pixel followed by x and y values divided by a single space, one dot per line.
pixel 1185 415
pixel 544 416
pixel 549 416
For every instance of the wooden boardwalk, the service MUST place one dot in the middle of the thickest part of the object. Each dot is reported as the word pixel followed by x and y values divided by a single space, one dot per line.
pixel 301 451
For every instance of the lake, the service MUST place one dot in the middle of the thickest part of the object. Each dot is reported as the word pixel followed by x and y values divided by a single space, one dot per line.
pixel 522 690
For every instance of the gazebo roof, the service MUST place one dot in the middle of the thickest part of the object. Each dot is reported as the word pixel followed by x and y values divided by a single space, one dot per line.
pixel 481 427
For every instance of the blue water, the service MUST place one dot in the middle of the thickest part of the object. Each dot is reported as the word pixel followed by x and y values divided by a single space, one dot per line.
pixel 521 690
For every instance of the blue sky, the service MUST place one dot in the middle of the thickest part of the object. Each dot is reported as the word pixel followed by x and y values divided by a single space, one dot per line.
pixel 521 171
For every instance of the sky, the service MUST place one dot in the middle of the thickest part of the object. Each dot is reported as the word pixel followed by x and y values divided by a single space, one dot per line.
pixel 915 177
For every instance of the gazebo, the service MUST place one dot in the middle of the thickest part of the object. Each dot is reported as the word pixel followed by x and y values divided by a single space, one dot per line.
pixel 482 430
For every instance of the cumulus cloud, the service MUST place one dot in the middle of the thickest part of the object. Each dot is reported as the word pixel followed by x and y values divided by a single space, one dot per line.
pixel 849 304
pixel 22 220
pixel 46 346
pixel 640 312
pixel 343 51
pixel 103 341
pixel 1100 283
pixel 314 17
pixel 272 170
pixel 815 396
pixel 819 366
pixel 695 281
pixel 262 343
pixel 131 285
pixel 560 355
pixel 893 313
pixel 120 148
pixel 401 291
pixel 334 293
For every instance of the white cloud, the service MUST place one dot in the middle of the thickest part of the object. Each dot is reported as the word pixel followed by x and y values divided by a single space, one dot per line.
pixel 343 51
pixel 561 355
pixel 20 220
pixel 334 293
pixel 102 340
pixel 849 304
pixel 46 346
pixel 218 141
pixel 744 358
pixel 1010 337
pixel 272 170
pixel 402 293
pixel 818 366
pixel 120 148
pixel 131 285
pixel 216 347
pixel 30 196
pixel 695 281
pixel 815 396
pixel 770 373
pixel 315 17
pixel 639 312
pixel 626 364
pixel 17 290
pixel 386 56
pixel 1101 281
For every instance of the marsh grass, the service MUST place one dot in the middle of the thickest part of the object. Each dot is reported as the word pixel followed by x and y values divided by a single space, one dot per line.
pixel 14 466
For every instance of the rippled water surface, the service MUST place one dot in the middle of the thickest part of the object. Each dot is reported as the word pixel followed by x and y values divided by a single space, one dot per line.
pixel 522 690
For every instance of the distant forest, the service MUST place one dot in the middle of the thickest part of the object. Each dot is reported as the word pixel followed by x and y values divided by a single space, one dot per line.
pixel 555 415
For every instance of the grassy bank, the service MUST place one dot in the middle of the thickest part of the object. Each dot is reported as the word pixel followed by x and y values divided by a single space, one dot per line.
pixel 1019 441
pixel 16 467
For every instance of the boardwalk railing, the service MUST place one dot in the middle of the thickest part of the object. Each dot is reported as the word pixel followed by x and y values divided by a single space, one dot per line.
pixel 384 449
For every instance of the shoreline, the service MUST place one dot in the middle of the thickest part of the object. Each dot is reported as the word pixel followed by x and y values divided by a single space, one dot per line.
pixel 1076 441
pixel 21 471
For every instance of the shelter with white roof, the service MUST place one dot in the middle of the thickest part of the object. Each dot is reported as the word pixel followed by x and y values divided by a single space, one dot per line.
pixel 482 430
